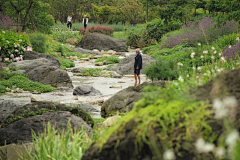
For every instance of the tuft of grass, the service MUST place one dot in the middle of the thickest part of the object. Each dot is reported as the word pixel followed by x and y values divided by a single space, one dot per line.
pixel 79 55
pixel 94 72
pixel 110 60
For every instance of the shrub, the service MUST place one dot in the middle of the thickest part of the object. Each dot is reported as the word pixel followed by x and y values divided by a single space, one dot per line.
pixel 226 40
pixel 40 42
pixel 161 70
pixel 202 31
pixel 5 22
pixel 65 63
pixel 12 46
pixel 134 36
pixel 110 60
pixel 99 29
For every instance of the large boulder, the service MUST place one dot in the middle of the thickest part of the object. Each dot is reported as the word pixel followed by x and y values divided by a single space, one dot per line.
pixel 44 71
pixel 30 55
pixel 81 50
pixel 86 90
pixel 101 42
pixel 126 65
pixel 21 131
pixel 11 112
pixel 124 100
pixel 7 108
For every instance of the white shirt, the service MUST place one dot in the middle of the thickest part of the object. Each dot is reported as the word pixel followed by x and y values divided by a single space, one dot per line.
pixel 86 20
pixel 69 19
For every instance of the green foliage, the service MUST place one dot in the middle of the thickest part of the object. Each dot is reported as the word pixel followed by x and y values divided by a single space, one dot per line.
pixel 65 63
pixel 40 42
pixel 134 37
pixel 21 81
pixel 95 72
pixel 226 40
pixel 110 60
pixel 56 145
pixel 236 151
pixel 79 55
pixel 161 70
pixel 12 45
pixel 99 120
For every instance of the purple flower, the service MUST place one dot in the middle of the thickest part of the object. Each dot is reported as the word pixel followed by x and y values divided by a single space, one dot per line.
pixel 15 46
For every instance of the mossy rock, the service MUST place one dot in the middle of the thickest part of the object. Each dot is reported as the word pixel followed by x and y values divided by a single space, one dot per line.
pixel 38 108
pixel 124 100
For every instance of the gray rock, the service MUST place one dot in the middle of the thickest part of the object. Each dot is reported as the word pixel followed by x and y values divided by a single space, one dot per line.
pixel 126 65
pixel 121 40
pixel 124 100
pixel 86 90
pixel 44 71
pixel 101 42
pixel 7 108
pixel 76 70
pixel 30 55
pixel 50 75
pixel 85 107
pixel 81 50
pixel 21 131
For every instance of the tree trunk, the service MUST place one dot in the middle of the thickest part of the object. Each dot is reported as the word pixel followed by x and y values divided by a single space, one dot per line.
pixel 146 10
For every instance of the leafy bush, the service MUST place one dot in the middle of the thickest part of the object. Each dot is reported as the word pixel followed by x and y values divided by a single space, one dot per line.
pixel 40 42
pixel 5 22
pixel 110 60
pixel 95 72
pixel 99 29
pixel 202 31
pixel 226 40
pixel 65 63
pixel 12 46
pixel 161 70
pixel 134 37
pixel 21 81
pixel 61 34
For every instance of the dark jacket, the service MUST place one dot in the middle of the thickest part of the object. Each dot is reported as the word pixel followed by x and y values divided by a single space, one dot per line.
pixel 138 61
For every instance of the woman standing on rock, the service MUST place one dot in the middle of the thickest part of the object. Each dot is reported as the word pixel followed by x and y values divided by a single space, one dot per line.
pixel 85 21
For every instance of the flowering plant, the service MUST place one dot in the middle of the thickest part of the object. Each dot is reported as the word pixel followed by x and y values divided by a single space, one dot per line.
pixel 12 46
pixel 99 29
pixel 6 22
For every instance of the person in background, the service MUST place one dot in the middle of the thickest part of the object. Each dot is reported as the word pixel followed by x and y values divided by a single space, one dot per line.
pixel 137 66
pixel 85 21
pixel 69 22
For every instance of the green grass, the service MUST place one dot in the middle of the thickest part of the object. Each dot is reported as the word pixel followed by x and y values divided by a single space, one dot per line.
pixel 21 81
pixel 110 60
pixel 120 35
pixel 95 72
pixel 79 55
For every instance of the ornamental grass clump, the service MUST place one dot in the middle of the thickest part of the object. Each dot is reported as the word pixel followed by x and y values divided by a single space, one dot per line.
pixel 98 29
pixel 12 46
pixel 202 31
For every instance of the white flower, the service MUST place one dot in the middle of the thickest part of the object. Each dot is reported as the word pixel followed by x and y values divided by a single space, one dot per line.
pixel 220 110
pixel 202 56
pixel 237 38
pixel 212 48
pixel 179 64
pixel 220 70
pixel 192 55
pixel 208 72
pixel 229 46
pixel 193 68
pixel 199 68
pixel 187 76
pixel 212 57
pixel 220 54
pixel 223 59
pixel 220 152
pixel 181 79
pixel 232 138
pixel 169 155
pixel 203 147
pixel 199 44
pixel 214 52
pixel 205 74
pixel 230 102
pixel 205 52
